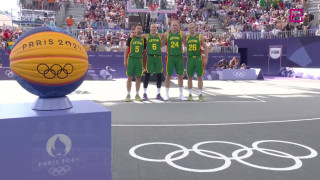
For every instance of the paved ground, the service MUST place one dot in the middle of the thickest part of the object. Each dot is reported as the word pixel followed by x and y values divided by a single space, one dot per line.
pixel 272 126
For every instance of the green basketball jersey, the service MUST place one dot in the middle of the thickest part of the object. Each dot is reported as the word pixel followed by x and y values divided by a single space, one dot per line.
pixel 136 47
pixel 174 44
pixel 154 44
pixel 193 45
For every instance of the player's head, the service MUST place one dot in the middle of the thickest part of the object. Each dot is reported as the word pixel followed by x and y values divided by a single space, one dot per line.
pixel 153 28
pixel 138 29
pixel 192 28
pixel 175 26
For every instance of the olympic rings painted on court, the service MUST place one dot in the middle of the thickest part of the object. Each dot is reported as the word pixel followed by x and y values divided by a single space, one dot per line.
pixel 312 154
pixel 297 165
pixel 59 171
pixel 227 160
pixel 133 154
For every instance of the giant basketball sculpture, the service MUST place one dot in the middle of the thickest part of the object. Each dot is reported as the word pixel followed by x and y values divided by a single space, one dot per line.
pixel 49 62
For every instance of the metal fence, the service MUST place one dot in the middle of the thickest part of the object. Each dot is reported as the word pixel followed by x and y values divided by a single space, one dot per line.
pixel 274 34
pixel 225 49
pixel 76 32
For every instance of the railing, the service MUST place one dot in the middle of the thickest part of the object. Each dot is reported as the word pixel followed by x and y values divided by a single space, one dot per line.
pixel 273 34
pixel 43 5
pixel 225 49
pixel 76 32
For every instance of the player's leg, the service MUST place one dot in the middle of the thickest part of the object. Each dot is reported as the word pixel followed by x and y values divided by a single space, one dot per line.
pixel 138 82
pixel 158 70
pixel 169 69
pixel 138 74
pixel 180 69
pixel 129 84
pixel 129 73
pixel 149 70
pixel 145 86
pixel 190 73
pixel 200 73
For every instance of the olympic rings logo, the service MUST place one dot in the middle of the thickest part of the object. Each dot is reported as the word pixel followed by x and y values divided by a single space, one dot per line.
pixel 8 73
pixel 184 152
pixel 59 171
pixel 239 74
pixel 55 70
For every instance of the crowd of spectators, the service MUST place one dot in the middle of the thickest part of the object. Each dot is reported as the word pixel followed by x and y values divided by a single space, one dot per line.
pixel 262 16
pixel 234 63
pixel 103 14
pixel 52 5
pixel 193 11
pixel 103 22
pixel 7 37
pixel 102 26
pixel 101 41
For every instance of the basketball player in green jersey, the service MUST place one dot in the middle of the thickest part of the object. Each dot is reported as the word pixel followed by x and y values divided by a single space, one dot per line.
pixel 195 61
pixel 153 61
pixel 173 38
pixel 133 61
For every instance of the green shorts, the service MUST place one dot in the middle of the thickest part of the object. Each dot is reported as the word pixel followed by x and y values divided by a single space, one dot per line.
pixel 154 64
pixel 195 64
pixel 134 66
pixel 175 62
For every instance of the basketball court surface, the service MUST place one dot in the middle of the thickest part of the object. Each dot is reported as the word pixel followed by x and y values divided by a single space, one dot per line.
pixel 245 130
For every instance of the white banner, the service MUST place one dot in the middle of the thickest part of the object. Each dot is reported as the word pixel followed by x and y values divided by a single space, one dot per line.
pixel 275 52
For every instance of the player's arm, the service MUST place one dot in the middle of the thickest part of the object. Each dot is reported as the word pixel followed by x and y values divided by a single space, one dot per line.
pixel 145 43
pixel 161 37
pixel 184 38
pixel 125 57
pixel 164 39
pixel 205 47
pixel 125 62
pixel 144 36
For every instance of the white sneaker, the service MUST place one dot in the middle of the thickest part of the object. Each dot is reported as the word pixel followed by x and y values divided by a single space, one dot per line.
pixel 182 98
pixel 166 97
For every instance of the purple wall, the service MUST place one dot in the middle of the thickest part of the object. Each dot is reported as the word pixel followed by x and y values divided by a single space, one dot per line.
pixel 4 58
pixel 99 60
pixel 296 52
pixel 115 61
pixel 258 53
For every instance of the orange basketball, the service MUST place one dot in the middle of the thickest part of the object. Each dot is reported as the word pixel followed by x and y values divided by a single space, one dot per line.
pixel 49 62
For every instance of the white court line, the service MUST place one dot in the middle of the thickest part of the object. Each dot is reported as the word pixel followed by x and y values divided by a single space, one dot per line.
pixel 188 102
pixel 253 98
pixel 218 124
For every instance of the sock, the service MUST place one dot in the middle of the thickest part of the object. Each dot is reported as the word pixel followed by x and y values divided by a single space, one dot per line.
pixel 190 90
pixel 167 91
pixel 145 90
pixel 158 90
pixel 137 92
pixel 200 91
pixel 128 92
pixel 180 89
